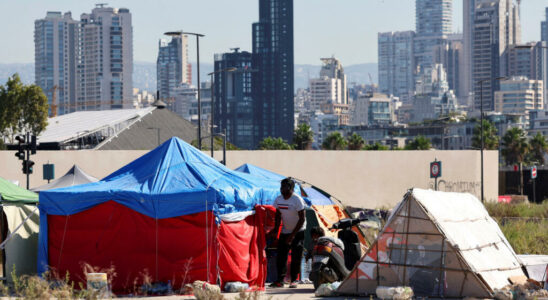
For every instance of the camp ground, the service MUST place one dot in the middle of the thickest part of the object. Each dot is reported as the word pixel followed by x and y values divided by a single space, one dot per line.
pixel 20 224
pixel 441 245
pixel 174 213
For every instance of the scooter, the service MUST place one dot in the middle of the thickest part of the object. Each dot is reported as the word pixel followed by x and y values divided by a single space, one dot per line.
pixel 332 258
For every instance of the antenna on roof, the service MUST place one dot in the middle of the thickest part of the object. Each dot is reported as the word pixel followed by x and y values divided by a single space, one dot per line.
pixel 101 5
pixel 235 49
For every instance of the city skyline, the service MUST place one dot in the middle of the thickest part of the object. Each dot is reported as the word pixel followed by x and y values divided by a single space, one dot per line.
pixel 311 29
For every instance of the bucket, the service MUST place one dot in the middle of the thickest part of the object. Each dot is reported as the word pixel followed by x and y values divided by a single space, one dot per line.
pixel 98 282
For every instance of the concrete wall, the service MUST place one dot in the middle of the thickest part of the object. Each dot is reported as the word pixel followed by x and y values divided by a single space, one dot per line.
pixel 358 178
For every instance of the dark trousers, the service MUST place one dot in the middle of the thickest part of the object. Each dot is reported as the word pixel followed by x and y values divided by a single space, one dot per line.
pixel 296 248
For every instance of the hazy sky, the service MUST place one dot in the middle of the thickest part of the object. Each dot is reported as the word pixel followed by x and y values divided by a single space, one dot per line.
pixel 344 28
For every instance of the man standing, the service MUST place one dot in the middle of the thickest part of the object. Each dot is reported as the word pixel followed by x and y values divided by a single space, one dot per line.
pixel 289 210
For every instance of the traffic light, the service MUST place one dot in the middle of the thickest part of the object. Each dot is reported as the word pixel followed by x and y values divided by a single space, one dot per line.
pixel 32 144
pixel 28 166
pixel 20 154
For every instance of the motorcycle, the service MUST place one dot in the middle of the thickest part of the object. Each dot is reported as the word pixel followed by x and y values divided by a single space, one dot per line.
pixel 333 258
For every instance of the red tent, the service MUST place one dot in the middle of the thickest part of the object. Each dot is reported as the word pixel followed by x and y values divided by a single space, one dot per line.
pixel 173 215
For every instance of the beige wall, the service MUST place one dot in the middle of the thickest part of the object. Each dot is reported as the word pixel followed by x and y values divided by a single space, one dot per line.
pixel 359 178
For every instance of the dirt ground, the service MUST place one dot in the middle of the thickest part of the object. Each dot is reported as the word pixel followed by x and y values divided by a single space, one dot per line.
pixel 304 291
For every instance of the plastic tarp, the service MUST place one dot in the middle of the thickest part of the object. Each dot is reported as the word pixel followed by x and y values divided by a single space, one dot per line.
pixel 317 198
pixel 259 172
pixel 22 248
pixel 151 215
pixel 536 265
pixel 10 192
pixel 172 249
pixel 74 176
pixel 442 245
pixel 174 179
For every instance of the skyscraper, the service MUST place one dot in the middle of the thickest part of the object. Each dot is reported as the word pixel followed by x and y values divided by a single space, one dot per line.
pixel 450 55
pixel 433 24
pixel 330 87
pixel 529 60
pixel 105 67
pixel 496 26
pixel 273 84
pixel 55 59
pixel 544 28
pixel 396 64
pixel 172 67
pixel 233 103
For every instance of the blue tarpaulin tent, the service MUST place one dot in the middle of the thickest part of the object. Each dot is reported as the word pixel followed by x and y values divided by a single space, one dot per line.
pixel 313 197
pixel 171 181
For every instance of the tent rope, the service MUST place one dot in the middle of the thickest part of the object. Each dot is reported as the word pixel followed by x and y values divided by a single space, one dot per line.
pixel 12 234
pixel 63 241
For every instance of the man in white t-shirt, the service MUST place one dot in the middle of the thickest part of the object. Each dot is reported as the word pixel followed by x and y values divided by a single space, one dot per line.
pixel 290 211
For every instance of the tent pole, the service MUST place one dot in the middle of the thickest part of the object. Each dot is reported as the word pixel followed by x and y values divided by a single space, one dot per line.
pixel 406 241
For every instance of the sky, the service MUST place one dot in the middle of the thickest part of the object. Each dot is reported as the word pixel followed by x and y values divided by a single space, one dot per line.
pixel 346 29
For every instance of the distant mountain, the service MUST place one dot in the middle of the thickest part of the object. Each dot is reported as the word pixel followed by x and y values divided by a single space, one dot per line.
pixel 144 73
pixel 25 71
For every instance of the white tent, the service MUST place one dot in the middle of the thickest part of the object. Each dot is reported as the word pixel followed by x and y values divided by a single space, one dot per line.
pixel 442 245
pixel 74 176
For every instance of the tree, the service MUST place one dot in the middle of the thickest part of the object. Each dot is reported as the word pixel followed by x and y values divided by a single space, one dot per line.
pixel 419 143
pixel 355 142
pixel 23 108
pixel 490 137
pixel 538 148
pixel 376 146
pixel 334 141
pixel 302 137
pixel 515 149
pixel 270 143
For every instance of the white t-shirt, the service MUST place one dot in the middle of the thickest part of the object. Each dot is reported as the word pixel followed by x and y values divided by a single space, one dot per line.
pixel 290 212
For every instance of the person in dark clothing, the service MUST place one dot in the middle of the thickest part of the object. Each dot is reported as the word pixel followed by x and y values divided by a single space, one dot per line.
pixel 290 211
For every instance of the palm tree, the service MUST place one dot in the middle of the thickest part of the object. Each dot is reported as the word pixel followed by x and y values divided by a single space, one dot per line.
pixel 302 137
pixel 334 141
pixel 419 143
pixel 538 147
pixel 515 150
pixel 355 142
pixel 270 143
pixel 490 137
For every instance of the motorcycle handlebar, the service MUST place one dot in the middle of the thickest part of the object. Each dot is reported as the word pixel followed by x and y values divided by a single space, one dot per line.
pixel 347 223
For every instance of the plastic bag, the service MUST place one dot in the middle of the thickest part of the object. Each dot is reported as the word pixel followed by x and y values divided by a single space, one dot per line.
pixel 396 293
pixel 234 287
pixel 325 290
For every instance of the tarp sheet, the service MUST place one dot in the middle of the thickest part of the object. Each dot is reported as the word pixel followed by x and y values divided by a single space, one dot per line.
pixel 172 180
pixel 138 247
pixel 74 176
pixel 12 193
pixel 442 245
pixel 22 248
pixel 151 214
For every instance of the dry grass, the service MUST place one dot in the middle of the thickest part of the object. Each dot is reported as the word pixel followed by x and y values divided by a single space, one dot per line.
pixel 525 225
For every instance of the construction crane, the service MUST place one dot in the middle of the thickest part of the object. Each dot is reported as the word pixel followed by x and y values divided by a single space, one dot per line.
pixel 53 105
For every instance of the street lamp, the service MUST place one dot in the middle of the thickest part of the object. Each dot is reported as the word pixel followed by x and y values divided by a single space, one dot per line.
pixel 481 129
pixel 213 101
pixel 198 36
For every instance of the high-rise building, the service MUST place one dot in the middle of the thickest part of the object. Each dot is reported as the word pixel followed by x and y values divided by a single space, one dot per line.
pixel 529 60
pixel 273 83
pixel 172 66
pixel 544 28
pixel 451 55
pixel 396 64
pixel 467 43
pixel 332 68
pixel 519 95
pixel 105 66
pixel 433 23
pixel 55 60
pixel 330 87
pixel 496 26
pixel 233 99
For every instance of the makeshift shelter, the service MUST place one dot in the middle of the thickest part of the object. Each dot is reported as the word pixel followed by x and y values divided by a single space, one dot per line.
pixel 74 176
pixel 19 235
pixel 326 211
pixel 173 215
pixel 441 245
